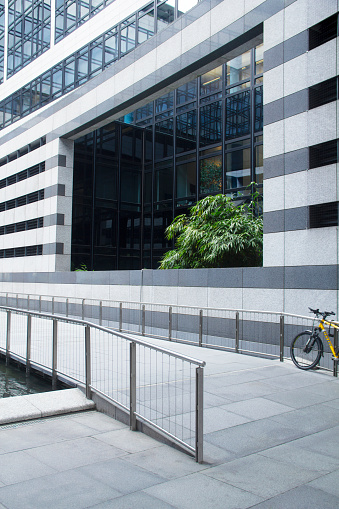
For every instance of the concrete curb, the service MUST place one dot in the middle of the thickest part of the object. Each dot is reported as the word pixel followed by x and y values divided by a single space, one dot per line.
pixel 35 406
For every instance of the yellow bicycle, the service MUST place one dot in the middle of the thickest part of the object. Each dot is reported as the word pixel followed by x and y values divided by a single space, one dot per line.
pixel 307 347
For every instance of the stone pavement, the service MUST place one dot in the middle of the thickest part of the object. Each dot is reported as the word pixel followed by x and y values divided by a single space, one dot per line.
pixel 270 442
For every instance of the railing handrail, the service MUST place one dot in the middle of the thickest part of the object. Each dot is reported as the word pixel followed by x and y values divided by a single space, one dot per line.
pixel 142 303
pixel 127 337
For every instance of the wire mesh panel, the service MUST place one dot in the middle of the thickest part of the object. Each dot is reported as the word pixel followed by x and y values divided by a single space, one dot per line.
pixel 157 320
pixel 3 329
pixel 185 324
pixel 166 393
pixel 71 350
pixel 131 316
pixel 260 333
pixel 219 328
pixel 110 366
pixel 111 314
pixel 42 341
pixel 18 334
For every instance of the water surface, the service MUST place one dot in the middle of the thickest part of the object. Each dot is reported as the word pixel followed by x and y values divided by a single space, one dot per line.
pixel 14 382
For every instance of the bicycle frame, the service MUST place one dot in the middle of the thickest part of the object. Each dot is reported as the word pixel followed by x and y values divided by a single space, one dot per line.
pixel 322 328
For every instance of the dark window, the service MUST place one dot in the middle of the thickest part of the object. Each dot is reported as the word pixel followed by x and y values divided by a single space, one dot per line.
pixel 22 200
pixel 19 251
pixel 33 171
pixel 323 154
pixel 11 180
pixel 323 215
pixel 32 224
pixel 323 93
pixel 32 197
pixel 238 115
pixel 10 204
pixel 10 228
pixel 322 32
pixel 210 124
pixel 20 227
pixel 22 175
pixel 186 131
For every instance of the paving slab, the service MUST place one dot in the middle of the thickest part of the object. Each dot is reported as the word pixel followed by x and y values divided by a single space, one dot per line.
pixel 270 442
pixel 303 497
pixel 34 406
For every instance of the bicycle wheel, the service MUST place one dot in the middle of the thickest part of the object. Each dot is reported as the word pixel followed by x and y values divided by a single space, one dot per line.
pixel 306 350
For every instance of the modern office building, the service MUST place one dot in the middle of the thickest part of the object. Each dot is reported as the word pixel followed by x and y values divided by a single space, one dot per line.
pixel 117 116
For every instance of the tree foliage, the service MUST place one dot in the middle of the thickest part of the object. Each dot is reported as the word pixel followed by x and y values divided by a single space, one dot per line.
pixel 216 233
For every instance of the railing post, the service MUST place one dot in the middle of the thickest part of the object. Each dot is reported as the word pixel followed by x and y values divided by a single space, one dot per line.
pixel 199 405
pixel 17 301
pixel 28 345
pixel 6 299
pixel 40 304
pixel 88 360
pixel 335 345
pixel 8 337
pixel 237 331
pixel 55 354
pixel 27 302
pixel 100 313
pixel 133 385
pixel 120 317
pixel 52 305
pixel 83 309
pixel 170 323
pixel 143 317
pixel 67 304
pixel 282 337
pixel 200 327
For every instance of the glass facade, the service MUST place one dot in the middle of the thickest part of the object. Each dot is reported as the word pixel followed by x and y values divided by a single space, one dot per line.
pixel 29 32
pixel 133 177
pixel 152 18
pixel 84 64
pixel 2 39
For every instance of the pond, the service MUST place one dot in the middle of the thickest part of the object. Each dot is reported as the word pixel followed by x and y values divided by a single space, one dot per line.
pixel 14 382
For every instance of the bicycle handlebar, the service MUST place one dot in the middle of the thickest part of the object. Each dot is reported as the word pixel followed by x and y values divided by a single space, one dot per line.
pixel 324 314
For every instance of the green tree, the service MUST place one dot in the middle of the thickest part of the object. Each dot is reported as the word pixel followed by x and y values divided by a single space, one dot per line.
pixel 217 232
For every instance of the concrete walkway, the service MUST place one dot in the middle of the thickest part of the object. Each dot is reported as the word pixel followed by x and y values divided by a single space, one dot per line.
pixel 271 442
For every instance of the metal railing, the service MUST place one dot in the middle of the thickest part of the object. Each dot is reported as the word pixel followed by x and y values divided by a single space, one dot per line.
pixel 266 333
pixel 153 385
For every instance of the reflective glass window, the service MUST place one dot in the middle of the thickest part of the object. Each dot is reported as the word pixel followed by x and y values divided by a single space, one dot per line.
pixel 238 168
pixel 96 53
pixel 187 92
pixel 69 73
pixel 57 82
pixel 111 47
pixel 164 103
pixel 146 26
pixel 211 81
pixel 259 164
pixel 238 69
pixel 82 66
pixel 210 175
pixel 258 105
pixel 186 180
pixel 127 37
pixel 210 124
pixel 186 131
pixel 238 114
pixel 165 14
pixel 164 139
pixel 130 183
pixel 259 59
pixel 163 185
